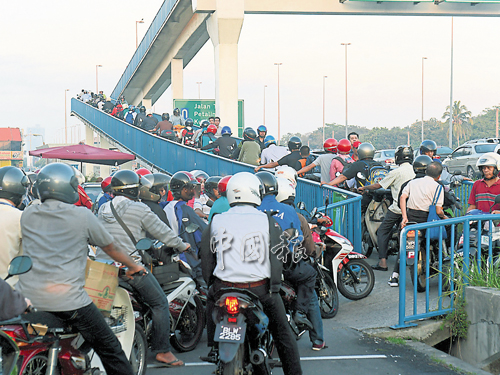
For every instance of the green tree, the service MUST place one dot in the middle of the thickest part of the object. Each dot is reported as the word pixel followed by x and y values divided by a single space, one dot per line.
pixel 461 120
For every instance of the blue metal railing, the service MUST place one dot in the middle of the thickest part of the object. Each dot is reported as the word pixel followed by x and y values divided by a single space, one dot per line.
pixel 344 207
pixel 153 30
pixel 444 268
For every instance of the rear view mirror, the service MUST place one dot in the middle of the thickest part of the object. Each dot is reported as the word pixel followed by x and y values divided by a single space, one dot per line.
pixel 497 199
pixel 191 228
pixel 314 211
pixel 144 244
pixel 19 265
pixel 301 206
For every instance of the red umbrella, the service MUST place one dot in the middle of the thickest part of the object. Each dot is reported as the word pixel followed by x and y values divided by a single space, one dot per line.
pixel 85 154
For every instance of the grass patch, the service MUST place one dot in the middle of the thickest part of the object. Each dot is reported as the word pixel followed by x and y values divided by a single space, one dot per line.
pixel 396 340
pixel 443 363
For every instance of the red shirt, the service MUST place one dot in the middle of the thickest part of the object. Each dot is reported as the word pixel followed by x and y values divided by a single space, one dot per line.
pixel 84 198
pixel 482 196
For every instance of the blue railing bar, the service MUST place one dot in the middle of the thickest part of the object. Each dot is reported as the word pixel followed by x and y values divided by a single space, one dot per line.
pixel 440 267
pixel 427 271
pixel 426 315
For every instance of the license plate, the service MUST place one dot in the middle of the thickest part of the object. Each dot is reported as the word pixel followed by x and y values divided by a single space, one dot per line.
pixel 410 244
pixel 234 333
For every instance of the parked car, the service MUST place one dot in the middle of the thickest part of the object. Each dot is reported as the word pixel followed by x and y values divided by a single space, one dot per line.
pixel 386 156
pixel 93 190
pixel 465 157
pixel 482 140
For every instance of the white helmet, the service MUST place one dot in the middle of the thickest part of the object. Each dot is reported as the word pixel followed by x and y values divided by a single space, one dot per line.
pixel 286 189
pixel 244 187
pixel 287 172
pixel 490 159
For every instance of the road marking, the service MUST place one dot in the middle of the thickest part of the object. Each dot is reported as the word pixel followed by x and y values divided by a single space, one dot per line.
pixel 319 358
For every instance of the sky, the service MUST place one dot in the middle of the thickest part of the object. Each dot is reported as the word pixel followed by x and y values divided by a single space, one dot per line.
pixel 51 46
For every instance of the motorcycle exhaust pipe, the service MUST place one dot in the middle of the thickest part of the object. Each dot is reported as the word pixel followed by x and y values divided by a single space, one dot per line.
pixel 258 356
pixel 52 360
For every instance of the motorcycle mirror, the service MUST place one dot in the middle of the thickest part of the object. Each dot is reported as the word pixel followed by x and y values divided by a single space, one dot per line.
pixel 144 244
pixel 19 265
pixel 301 206
pixel 191 228
pixel 497 199
pixel 314 211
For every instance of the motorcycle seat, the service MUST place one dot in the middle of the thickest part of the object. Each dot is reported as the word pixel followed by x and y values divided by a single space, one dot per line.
pixel 379 194
pixel 53 323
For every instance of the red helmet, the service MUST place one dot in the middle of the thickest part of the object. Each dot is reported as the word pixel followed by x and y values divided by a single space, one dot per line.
pixel 344 146
pixel 105 184
pixel 356 144
pixel 330 145
pixel 222 185
pixel 212 129
pixel 143 171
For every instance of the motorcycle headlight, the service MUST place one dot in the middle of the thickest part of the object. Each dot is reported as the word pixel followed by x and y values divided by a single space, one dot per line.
pixel 343 241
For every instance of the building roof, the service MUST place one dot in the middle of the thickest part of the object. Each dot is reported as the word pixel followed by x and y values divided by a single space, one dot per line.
pixel 10 134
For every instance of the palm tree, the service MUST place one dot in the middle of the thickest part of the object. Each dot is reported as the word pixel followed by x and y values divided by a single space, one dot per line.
pixel 461 119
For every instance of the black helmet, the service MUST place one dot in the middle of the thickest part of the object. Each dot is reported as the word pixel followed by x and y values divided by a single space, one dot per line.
pixel 294 143
pixel 249 134
pixel 428 146
pixel 403 154
pixel 142 109
pixel 366 151
pixel 210 184
pixel 145 193
pixel 165 117
pixel 179 181
pixel 189 122
pixel 420 164
pixel 127 183
pixel 58 181
pixel 13 184
pixel 205 123
pixel 177 112
pixel 269 182
pixel 159 181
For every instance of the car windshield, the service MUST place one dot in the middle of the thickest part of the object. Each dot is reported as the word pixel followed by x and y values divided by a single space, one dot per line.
pixel 444 150
pixel 481 149
pixel 389 153
pixel 92 192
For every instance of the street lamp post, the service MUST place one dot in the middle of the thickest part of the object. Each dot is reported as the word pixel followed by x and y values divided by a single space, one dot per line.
pixel 136 36
pixel 264 120
pixel 324 78
pixel 65 118
pixel 97 78
pixel 279 134
pixel 423 58
pixel 199 89
pixel 450 142
pixel 345 44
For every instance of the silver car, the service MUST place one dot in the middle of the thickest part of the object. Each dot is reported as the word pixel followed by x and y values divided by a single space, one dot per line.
pixel 465 157
pixel 385 156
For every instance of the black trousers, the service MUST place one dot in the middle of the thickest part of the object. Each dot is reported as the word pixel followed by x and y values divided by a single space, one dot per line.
pixel 90 323
pixel 384 232
pixel 278 325
pixel 303 277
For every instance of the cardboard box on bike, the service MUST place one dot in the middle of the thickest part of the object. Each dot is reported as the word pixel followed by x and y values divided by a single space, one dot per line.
pixel 101 281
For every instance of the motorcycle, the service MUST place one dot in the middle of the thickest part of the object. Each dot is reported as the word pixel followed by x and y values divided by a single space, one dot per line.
pixel 352 275
pixel 49 346
pixel 185 305
pixel 242 331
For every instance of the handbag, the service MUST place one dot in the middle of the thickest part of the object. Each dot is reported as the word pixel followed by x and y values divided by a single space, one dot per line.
pixel 433 233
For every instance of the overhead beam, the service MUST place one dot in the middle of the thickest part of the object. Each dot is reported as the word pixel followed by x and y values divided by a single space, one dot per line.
pixel 374 8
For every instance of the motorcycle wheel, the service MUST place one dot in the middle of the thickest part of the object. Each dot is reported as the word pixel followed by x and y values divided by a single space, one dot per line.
pixel 138 355
pixel 420 273
pixel 328 297
pixel 366 242
pixel 37 365
pixel 351 288
pixel 235 367
pixel 189 327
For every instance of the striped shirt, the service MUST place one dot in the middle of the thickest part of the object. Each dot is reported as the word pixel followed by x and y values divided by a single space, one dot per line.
pixel 483 196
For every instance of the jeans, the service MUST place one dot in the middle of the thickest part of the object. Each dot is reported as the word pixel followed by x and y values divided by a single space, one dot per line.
pixel 384 231
pixel 314 316
pixel 278 325
pixel 90 323
pixel 150 292
pixel 303 276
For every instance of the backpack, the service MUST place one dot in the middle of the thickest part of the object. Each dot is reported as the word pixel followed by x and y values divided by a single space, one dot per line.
pixel 374 172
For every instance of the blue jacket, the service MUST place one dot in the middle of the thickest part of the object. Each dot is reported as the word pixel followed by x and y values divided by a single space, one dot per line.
pixel 286 215
pixel 220 205
pixel 105 198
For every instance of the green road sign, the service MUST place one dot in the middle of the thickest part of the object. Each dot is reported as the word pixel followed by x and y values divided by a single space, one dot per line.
pixel 200 110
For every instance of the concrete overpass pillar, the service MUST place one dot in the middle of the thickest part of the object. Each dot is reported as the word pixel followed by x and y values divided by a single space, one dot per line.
pixel 177 71
pixel 89 140
pixel 105 170
pixel 147 103
pixel 224 27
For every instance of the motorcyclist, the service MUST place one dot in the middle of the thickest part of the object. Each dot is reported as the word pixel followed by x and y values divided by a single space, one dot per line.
pixel 226 144
pixel 208 135
pixel 56 235
pixel 13 187
pixel 272 152
pixel 294 145
pixel 484 191
pixel 394 180
pixel 164 124
pixel 108 193
pixel 212 189
pixel 324 161
pixel 223 265
pixel 199 203
pixel 429 147
pixel 342 159
pixel 140 117
pixel 261 137
pixel 301 274
pixel 151 196
pixel 221 204
pixel 197 134
pixel 250 150
pixel 150 122
pixel 176 118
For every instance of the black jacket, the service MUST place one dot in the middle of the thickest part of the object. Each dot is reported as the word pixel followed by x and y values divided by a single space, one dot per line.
pixel 226 146
pixel 139 119
pixel 12 303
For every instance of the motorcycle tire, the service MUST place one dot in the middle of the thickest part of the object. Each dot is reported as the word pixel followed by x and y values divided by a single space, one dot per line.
pixel 356 279
pixel 139 352
pixel 189 328
pixel 366 242
pixel 328 297
pixel 37 365
pixel 235 367
pixel 420 273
